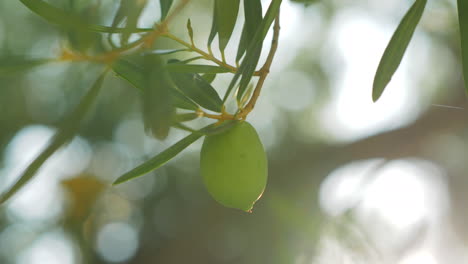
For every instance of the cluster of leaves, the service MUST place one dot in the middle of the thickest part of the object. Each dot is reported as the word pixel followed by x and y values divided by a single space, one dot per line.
pixel 168 87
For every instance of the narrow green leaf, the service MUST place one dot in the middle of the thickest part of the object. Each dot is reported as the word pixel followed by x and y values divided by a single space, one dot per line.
pixel 247 68
pixel 165 7
pixel 134 74
pixel 130 72
pixel 158 109
pixel 214 26
pixel 168 51
pixel 129 12
pixel 185 117
pixel 160 159
pixel 463 21
pixel 180 100
pixel 121 13
pixel 243 43
pixel 195 68
pixel 183 127
pixel 396 48
pixel 198 90
pixel 255 48
pixel 226 17
pixel 192 59
pixel 209 77
pixel 61 18
pixel 66 133
pixel 168 154
pixel 219 128
pixel 11 65
pixel 253 19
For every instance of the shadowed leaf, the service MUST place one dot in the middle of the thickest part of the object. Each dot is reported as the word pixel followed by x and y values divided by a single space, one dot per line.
pixel 158 109
pixel 214 27
pixel 167 51
pixel 209 77
pixel 62 18
pixel 226 17
pixel 11 65
pixel 198 90
pixel 185 117
pixel 195 68
pixel 65 134
pixel 134 74
pixel 165 7
pixel 128 13
pixel 253 19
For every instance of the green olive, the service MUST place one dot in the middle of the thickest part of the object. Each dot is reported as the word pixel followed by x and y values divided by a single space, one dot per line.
pixel 234 166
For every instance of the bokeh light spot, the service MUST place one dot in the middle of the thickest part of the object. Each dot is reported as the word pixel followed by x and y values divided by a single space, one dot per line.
pixel 117 242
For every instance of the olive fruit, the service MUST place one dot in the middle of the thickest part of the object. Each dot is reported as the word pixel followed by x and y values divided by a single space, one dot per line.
pixel 234 166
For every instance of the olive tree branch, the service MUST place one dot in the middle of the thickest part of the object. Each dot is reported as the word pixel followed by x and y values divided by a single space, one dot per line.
pixel 145 42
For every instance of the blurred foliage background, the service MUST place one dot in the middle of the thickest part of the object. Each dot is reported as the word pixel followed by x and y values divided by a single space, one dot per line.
pixel 350 181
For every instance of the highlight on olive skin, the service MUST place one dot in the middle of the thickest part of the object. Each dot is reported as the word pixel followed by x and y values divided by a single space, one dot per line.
pixel 234 166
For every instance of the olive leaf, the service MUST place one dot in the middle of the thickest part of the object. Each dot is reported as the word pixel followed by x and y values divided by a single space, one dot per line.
pixel 158 108
pixel 198 90
pixel 192 59
pixel 65 134
pixel 185 117
pixel 11 65
pixel 253 19
pixel 463 21
pixel 128 13
pixel 180 100
pixel 64 19
pixel 195 68
pixel 396 48
pixel 168 154
pixel 134 74
pixel 167 51
pixel 214 26
pixel 226 17
pixel 209 77
pixel 165 7
pixel 248 65
pixel 183 127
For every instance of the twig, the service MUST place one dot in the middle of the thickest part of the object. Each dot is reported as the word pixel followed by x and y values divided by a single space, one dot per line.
pixel 146 41
pixel 205 55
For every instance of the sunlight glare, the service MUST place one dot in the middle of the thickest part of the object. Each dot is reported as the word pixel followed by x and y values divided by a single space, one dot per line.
pixel 351 115
pixel 400 194
pixel 50 248
pixel 419 257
